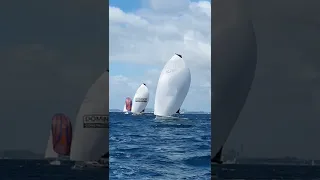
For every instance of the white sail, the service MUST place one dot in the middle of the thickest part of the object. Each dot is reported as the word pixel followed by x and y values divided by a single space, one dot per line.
pixel 173 86
pixel 124 108
pixel 233 73
pixel 140 99
pixel 49 154
pixel 91 132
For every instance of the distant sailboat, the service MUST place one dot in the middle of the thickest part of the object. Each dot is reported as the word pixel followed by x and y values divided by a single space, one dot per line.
pixel 127 105
pixel 60 138
pixel 91 133
pixel 124 108
pixel 50 154
pixel 140 99
pixel 173 86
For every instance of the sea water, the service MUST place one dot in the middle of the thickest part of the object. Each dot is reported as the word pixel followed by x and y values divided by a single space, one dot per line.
pixel 42 170
pixel 142 147
pixel 265 172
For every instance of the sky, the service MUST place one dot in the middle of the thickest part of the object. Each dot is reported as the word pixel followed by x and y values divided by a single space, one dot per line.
pixel 144 35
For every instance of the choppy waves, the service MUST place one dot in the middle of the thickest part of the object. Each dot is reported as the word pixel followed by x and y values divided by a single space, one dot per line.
pixel 40 169
pixel 142 147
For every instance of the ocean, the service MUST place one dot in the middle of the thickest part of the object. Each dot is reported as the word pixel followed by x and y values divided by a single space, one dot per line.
pixel 142 147
pixel 41 170
pixel 265 172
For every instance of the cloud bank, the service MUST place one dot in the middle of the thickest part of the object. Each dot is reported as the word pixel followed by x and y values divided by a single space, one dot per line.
pixel 149 37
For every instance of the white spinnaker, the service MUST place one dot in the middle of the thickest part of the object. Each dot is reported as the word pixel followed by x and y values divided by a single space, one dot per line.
pixel 234 72
pixel 140 99
pixel 49 151
pixel 90 143
pixel 125 108
pixel 173 86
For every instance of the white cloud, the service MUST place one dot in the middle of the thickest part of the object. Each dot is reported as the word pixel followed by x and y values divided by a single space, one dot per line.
pixel 168 6
pixel 153 34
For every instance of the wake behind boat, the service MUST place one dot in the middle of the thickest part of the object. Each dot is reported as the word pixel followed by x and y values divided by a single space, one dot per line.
pixel 137 114
pixel 55 163
pixel 103 162
pixel 89 164
pixel 166 117
pixel 175 116
pixel 170 118
pixel 173 86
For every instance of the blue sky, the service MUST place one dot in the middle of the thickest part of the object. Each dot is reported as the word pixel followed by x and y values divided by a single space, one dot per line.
pixel 139 47
pixel 126 5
